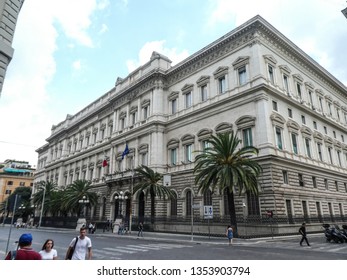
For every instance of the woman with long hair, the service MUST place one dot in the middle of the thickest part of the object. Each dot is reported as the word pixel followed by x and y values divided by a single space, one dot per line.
pixel 47 252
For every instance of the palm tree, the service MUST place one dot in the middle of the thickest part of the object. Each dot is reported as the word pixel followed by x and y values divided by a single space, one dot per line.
pixel 150 184
pixel 225 166
pixel 79 190
pixel 43 196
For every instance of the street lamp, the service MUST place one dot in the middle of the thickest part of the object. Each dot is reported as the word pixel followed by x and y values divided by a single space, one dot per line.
pixel 82 220
pixel 120 198
pixel 3 221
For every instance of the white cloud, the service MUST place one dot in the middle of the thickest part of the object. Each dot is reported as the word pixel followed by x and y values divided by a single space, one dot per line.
pixel 103 29
pixel 25 104
pixel 158 46
pixel 76 65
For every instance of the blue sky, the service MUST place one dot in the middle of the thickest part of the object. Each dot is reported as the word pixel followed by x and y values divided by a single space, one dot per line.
pixel 70 52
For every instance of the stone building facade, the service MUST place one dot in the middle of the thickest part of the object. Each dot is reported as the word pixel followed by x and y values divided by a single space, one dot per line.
pixel 254 81
pixel 9 10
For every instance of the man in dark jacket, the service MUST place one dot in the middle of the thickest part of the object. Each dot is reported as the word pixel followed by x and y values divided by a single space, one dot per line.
pixel 25 251
pixel 302 231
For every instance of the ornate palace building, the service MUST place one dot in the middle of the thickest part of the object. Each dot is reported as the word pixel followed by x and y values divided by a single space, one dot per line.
pixel 253 81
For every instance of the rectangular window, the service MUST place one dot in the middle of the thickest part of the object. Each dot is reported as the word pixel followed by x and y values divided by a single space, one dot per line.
pixel 144 159
pixel 10 183
pixel 314 125
pixel 330 155
pixel 321 103
pixel 145 112
pixel 334 134
pixel 203 93
pixel 286 83
pixel 274 106
pixel 133 118
pixel 279 138
pixel 174 106
pixel 173 156
pixel 188 153
pixel 242 75
pixel 314 182
pixel 188 99
pixel 326 184
pixel 110 130
pixel 303 119
pixel 290 113
pixel 298 89
pixel 329 107
pixel 295 143
pixel 222 84
pixel 319 150
pixel 247 137
pixel 345 184
pixel 205 144
pixel 22 184
pixel 304 209
pixel 325 130
pixel 339 157
pixel 122 124
pixel 301 180
pixel 336 186
pixel 342 139
pixel 271 73
pixel 338 114
pixel 285 176
pixel 308 147
pixel 310 97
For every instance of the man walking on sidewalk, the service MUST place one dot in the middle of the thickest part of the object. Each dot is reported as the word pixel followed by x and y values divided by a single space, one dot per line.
pixel 302 231
pixel 83 246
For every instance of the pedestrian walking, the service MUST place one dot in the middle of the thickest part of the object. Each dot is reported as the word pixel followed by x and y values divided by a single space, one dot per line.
pixel 140 227
pixel 47 252
pixel 25 251
pixel 229 234
pixel 90 228
pixel 302 231
pixel 82 246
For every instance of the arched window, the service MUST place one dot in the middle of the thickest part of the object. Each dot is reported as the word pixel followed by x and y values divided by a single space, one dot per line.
pixel 141 206
pixel 173 209
pixel 188 203
pixel 253 204
pixel 207 197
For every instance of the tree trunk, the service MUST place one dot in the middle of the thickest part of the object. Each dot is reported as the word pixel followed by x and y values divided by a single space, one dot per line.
pixel 152 208
pixel 232 212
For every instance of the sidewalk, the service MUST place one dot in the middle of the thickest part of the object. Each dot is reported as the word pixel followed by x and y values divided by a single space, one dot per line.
pixel 176 237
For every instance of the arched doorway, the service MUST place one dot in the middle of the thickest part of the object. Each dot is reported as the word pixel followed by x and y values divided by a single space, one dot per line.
pixel 116 209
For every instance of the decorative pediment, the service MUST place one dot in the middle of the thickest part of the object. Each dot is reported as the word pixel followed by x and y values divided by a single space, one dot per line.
pixel 298 77
pixel 328 140
pixel 270 59
pixel 245 121
pixel 187 88
pixel 204 133
pixel 203 80
pixel 110 122
pixel 103 126
pixel 221 71
pixel 173 95
pixel 143 148
pixel 309 85
pixel 306 131
pixel 122 115
pixel 337 145
pixel 146 103
pixel 81 137
pixel 240 61
pixel 318 136
pixel 319 92
pixel 133 109
pixel 329 98
pixel 337 104
pixel 173 143
pixel 91 164
pixel 292 125
pixel 285 69
pixel 277 119
pixel 88 133
pixel 224 127
pixel 187 139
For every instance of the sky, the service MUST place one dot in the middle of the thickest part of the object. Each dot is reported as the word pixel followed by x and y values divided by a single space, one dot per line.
pixel 70 52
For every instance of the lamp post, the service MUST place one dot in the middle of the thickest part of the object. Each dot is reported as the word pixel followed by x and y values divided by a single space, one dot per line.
pixel 82 220
pixel 42 205
pixel 3 221
pixel 120 199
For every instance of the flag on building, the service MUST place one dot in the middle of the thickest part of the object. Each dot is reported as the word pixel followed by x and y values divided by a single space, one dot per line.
pixel 104 163
pixel 126 151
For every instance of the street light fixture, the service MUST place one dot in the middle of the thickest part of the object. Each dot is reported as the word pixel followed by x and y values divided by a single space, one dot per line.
pixel 84 201
pixel 120 198
pixel 82 220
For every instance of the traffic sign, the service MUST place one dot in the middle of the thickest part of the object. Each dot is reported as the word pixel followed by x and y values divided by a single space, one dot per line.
pixel 208 212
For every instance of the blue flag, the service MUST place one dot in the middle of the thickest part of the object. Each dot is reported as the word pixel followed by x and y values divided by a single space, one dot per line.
pixel 126 151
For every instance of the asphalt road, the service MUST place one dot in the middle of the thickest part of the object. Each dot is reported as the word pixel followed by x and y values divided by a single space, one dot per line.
pixel 114 247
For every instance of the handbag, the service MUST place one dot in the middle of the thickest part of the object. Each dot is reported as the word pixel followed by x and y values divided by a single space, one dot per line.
pixel 71 250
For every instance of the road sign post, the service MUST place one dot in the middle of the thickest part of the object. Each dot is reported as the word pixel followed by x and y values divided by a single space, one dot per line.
pixel 208 214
